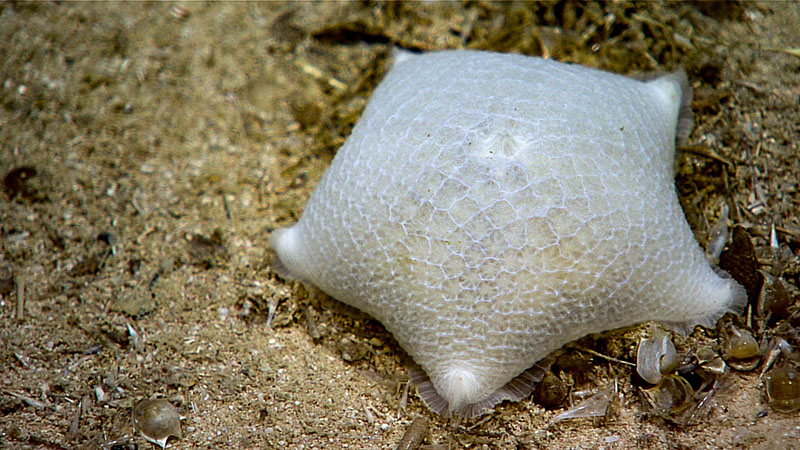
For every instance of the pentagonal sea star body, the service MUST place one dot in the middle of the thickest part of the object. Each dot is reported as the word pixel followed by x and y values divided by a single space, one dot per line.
pixel 490 208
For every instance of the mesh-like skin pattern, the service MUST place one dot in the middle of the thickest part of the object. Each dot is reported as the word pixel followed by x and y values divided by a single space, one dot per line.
pixel 490 208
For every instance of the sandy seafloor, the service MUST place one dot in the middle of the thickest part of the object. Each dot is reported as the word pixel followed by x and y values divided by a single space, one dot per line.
pixel 149 149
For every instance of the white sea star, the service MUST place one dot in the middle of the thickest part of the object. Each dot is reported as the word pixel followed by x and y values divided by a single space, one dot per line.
pixel 490 208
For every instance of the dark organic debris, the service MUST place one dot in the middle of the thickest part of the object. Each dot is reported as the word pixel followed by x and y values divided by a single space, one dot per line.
pixel 351 32
pixel 741 263
pixel 6 281
pixel 207 252
pixel 307 114
pixel 134 301
pixel 88 266
pixel 551 392
pixel 414 435
pixel 15 182
pixel 774 300
pixel 352 350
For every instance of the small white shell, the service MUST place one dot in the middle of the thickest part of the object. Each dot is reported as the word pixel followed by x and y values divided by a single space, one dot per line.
pixel 157 420
pixel 656 357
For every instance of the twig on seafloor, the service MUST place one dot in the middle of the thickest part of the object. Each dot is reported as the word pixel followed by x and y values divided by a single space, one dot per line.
pixel 311 323
pixel 74 426
pixel 35 403
pixel 701 150
pixel 20 312
pixel 606 357
pixel 270 312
